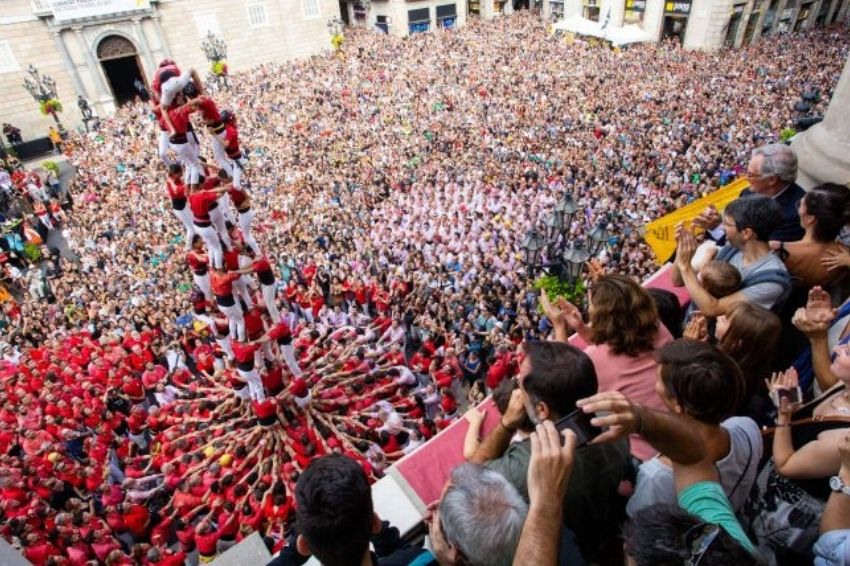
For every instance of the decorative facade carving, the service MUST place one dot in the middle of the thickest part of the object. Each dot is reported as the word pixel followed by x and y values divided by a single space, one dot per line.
pixel 115 46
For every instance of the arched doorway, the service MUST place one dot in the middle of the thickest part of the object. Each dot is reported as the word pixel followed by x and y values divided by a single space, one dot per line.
pixel 121 66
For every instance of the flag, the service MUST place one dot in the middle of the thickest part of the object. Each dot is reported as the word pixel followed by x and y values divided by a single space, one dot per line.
pixel 660 234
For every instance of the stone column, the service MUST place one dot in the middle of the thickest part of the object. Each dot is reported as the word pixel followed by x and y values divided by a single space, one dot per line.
pixel 796 5
pixel 765 5
pixel 69 63
pixel 546 11
pixel 742 26
pixel 103 93
pixel 160 36
pixel 143 41
pixel 777 17
pixel 814 13
pixel 824 149
pixel 488 9
pixel 653 18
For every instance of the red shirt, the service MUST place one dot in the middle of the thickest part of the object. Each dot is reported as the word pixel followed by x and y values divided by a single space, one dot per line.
pixel 279 330
pixel 176 189
pixel 237 196
pixel 254 324
pixel 198 263
pixel 180 119
pixel 222 282
pixel 264 409
pixel 261 264
pixel 136 520
pixel 200 203
pixel 231 136
pixel 244 352
pixel 209 110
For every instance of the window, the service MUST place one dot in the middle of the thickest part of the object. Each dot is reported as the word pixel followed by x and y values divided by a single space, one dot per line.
pixel 257 15
pixel 447 16
pixel 8 63
pixel 419 20
pixel 382 23
pixel 311 8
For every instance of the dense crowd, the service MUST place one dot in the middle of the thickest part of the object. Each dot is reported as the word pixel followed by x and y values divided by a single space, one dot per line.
pixel 345 273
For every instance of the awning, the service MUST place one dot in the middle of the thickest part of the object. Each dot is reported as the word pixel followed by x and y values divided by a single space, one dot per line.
pixel 616 35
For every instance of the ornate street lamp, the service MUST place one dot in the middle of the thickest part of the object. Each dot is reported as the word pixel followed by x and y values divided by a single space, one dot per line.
pixel 574 259
pixel 599 237
pixel 533 244
pixel 554 226
pixel 215 50
pixel 335 26
pixel 43 89
pixel 566 209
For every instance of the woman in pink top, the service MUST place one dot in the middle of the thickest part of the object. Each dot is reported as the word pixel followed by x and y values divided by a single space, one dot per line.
pixel 623 334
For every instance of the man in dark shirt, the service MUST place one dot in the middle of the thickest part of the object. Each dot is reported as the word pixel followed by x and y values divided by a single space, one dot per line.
pixel 553 376
pixel 772 172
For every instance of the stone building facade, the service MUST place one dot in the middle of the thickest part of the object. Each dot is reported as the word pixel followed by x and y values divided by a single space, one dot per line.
pixel 708 24
pixel 402 17
pixel 96 48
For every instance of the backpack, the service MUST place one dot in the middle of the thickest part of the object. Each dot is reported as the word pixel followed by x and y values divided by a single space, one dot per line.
pixel 779 276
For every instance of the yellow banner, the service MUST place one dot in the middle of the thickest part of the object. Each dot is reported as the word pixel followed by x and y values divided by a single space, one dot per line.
pixel 660 234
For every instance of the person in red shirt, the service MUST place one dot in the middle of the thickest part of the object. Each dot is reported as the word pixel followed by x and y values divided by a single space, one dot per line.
pixel 209 223
pixel 179 202
pixel 262 267
pixel 199 265
pixel 500 367
pixel 222 287
pixel 266 411
pixel 136 518
pixel 242 202
pixel 244 354
pixel 231 146
pixel 176 118
pixel 448 403
pixel 281 333
pixel 273 380
pixel 216 126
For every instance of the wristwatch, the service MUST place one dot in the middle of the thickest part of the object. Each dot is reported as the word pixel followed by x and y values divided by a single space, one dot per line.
pixel 836 484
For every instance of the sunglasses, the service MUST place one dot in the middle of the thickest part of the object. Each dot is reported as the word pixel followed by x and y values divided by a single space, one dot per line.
pixel 698 539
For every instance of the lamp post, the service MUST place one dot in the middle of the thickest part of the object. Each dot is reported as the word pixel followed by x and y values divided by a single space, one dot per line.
pixel 335 26
pixel 43 89
pixel 599 237
pixel 565 260
pixel 215 50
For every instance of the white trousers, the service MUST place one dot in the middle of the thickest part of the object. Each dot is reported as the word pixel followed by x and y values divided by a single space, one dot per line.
pixel 188 156
pixel 288 352
pixel 217 219
pixel 224 344
pixel 227 207
pixel 245 219
pixel 240 291
pixel 255 384
pixel 269 296
pixel 236 320
pixel 185 217
pixel 162 150
pixel 210 237
pixel 203 282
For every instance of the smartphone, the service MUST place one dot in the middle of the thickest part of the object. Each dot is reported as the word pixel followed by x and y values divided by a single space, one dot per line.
pixel 794 395
pixel 579 422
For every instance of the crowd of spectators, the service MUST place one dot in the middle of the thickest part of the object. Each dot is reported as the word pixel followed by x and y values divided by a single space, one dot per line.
pixel 175 384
